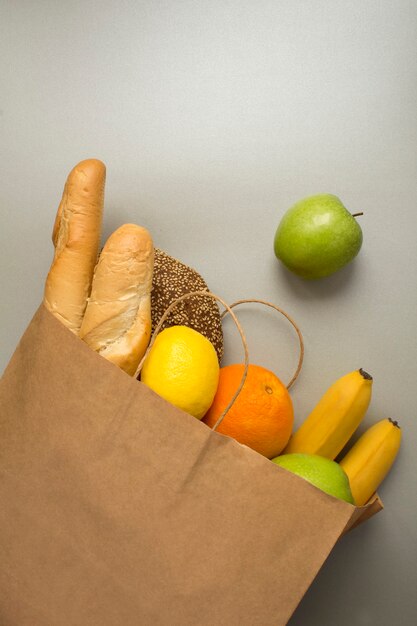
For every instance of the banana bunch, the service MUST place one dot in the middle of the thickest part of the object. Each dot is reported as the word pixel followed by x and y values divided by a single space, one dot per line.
pixel 331 424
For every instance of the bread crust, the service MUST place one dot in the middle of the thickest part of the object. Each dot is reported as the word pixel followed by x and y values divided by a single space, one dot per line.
pixel 172 279
pixel 76 237
pixel 117 320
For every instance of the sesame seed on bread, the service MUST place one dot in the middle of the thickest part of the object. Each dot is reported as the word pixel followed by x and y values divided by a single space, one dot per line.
pixel 171 279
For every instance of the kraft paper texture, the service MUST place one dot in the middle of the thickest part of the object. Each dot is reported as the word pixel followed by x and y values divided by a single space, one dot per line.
pixel 118 509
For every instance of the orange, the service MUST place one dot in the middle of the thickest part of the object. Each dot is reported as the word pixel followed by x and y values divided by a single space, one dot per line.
pixel 262 415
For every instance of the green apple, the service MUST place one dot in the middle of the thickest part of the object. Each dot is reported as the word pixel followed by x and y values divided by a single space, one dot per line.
pixel 321 472
pixel 317 236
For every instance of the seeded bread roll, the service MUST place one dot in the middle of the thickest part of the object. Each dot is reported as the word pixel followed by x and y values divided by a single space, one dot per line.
pixel 117 321
pixel 76 237
pixel 172 279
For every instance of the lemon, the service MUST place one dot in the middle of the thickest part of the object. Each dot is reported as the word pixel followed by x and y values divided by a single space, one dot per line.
pixel 325 474
pixel 182 367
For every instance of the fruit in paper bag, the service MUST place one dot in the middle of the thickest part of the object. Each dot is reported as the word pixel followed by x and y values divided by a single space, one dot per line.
pixel 335 418
pixel 317 236
pixel 323 473
pixel 183 368
pixel 262 415
pixel 371 457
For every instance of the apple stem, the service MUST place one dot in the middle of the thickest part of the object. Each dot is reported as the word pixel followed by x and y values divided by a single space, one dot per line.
pixel 356 214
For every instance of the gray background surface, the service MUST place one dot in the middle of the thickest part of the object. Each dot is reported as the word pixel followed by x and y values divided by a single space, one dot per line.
pixel 213 118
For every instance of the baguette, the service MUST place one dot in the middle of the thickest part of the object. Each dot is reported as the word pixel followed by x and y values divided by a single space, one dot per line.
pixel 117 320
pixel 76 237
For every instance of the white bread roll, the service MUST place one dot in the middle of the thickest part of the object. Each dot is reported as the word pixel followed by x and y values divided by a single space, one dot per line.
pixel 76 236
pixel 117 321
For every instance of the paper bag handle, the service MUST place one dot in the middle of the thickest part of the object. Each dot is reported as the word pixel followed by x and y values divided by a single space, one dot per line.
pixel 228 309
pixel 292 322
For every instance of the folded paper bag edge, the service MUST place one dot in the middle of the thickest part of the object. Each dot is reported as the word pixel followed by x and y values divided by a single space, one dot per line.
pixel 359 514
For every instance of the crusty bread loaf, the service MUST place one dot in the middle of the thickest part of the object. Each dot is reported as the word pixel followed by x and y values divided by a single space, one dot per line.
pixel 76 237
pixel 172 279
pixel 117 321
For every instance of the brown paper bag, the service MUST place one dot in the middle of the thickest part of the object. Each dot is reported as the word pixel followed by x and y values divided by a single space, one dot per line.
pixel 118 509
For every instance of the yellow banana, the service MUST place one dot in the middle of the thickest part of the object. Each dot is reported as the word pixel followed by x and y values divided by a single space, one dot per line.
pixel 335 418
pixel 370 459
